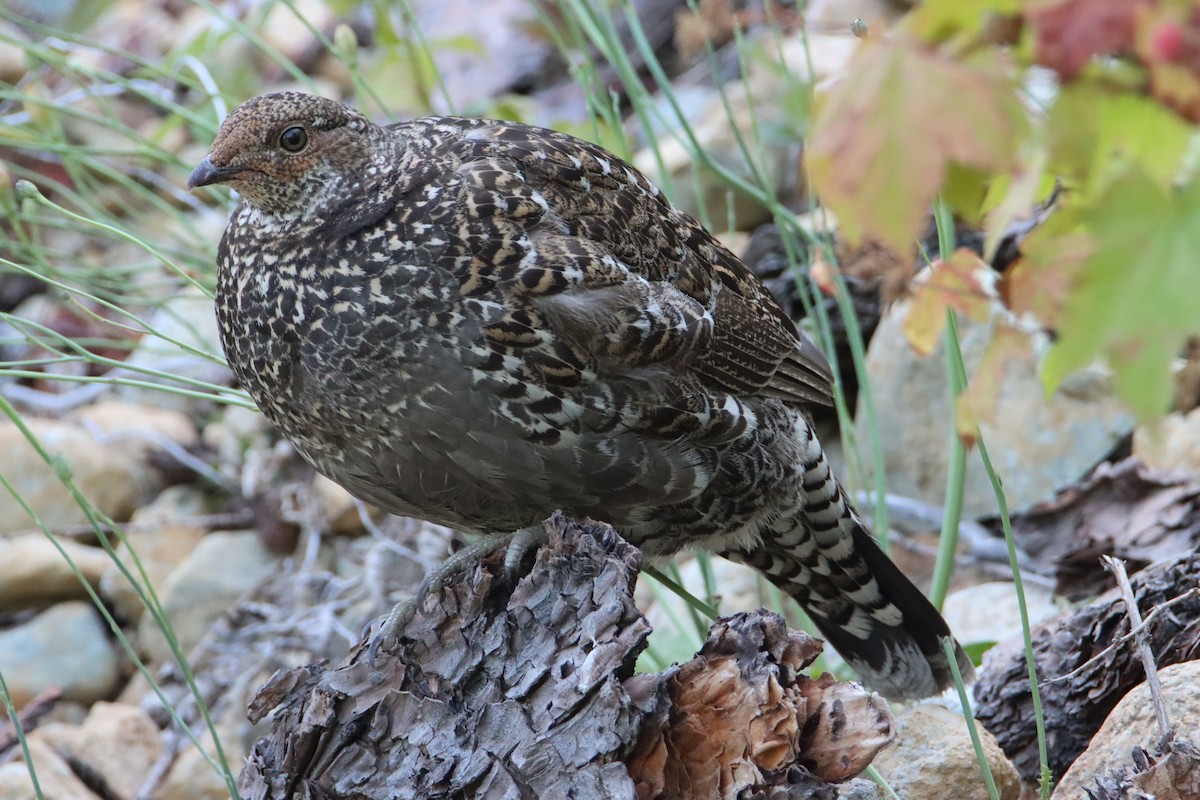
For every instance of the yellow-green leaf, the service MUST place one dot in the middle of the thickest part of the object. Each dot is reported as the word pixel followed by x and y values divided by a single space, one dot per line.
pixel 1093 131
pixel 961 283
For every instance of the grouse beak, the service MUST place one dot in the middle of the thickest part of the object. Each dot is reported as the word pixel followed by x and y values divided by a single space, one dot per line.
pixel 207 173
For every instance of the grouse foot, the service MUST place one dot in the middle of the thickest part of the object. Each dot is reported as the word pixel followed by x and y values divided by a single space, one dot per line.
pixel 517 545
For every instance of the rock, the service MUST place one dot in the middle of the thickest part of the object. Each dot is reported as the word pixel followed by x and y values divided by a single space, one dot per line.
pixel 162 536
pixel 933 758
pixel 56 779
pixel 337 507
pixel 14 61
pixel 33 571
pixel 861 789
pixel 1037 444
pixel 192 776
pixel 289 28
pixel 221 568
pixel 505 53
pixel 185 326
pixel 104 446
pixel 717 121
pixel 1173 445
pixel 118 743
pixel 988 612
pixel 1133 723
pixel 65 646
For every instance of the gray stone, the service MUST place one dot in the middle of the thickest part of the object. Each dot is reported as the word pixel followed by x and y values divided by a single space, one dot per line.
pixel 66 646
pixel 185 343
pixel 988 612
pixel 221 568
pixel 1037 444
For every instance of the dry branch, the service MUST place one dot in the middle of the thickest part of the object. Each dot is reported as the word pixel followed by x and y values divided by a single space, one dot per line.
pixel 530 692
pixel 1080 675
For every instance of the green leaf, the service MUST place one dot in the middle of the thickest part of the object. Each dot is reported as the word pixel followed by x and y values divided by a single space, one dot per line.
pixel 1136 295
pixel 1094 131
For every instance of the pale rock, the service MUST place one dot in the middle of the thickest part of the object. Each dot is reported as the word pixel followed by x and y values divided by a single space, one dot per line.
pixel 288 27
pixel 104 447
pixel 136 427
pixel 192 777
pixel 989 612
pixel 183 342
pixel 1133 723
pixel 1037 444
pixel 933 758
pixel 14 61
pixel 33 570
pixel 56 779
pixel 221 568
pixel 1172 445
pixel 113 481
pixel 117 742
pixel 338 508
pixel 162 535
pixel 66 646
pixel 835 15
pixel 504 49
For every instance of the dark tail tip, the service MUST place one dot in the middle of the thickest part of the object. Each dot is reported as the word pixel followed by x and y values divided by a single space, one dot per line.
pixel 905 661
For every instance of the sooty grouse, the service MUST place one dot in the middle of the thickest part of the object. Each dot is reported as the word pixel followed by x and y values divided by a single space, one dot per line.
pixel 479 322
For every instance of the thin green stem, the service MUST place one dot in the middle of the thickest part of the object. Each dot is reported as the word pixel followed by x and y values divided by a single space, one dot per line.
pixel 972 728
pixel 956 470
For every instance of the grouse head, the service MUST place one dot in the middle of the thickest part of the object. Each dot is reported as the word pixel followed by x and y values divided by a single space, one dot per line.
pixel 290 154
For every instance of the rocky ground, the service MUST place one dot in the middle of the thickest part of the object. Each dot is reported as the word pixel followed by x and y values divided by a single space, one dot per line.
pixel 255 564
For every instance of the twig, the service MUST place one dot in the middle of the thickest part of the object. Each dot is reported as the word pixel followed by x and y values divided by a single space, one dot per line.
pixel 28 717
pixel 1117 568
pixel 1141 628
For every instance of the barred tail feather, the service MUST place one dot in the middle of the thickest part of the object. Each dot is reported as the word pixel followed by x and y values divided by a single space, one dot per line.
pixel 871 613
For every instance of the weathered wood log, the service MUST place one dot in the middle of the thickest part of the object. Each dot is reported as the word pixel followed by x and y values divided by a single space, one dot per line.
pixel 1083 669
pixel 530 692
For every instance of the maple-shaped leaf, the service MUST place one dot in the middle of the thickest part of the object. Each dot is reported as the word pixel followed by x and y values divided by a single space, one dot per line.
pixel 1092 129
pixel 977 403
pixel 883 136
pixel 1069 33
pixel 963 283
pixel 1136 295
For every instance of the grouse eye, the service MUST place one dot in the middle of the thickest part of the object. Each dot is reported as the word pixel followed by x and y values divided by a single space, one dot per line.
pixel 294 139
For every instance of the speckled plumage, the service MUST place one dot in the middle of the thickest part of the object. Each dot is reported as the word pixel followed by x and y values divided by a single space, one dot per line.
pixel 477 323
